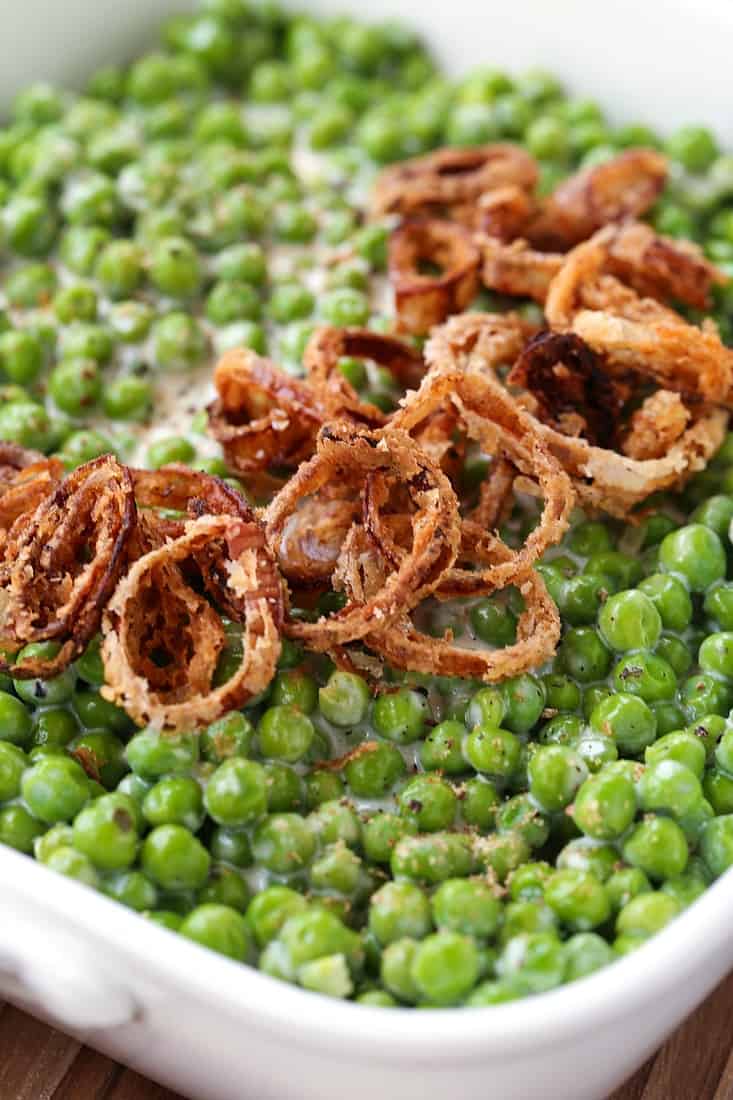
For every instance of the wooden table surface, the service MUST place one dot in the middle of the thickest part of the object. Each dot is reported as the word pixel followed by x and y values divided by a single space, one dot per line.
pixel 38 1063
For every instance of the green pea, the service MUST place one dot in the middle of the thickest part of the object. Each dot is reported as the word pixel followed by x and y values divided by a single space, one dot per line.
pixel 235 793
pixel 658 846
pixel 693 146
pixel 175 800
pixel 645 675
pixel 127 398
pixel 105 832
pixel 226 737
pixel 429 802
pixel 605 805
pixel 696 553
pixel 178 342
pixel 283 843
pixel 344 699
pixel 493 750
pixel 716 654
pixel 584 655
pixel 218 927
pixel 16 726
pixel 55 789
pixel 400 716
pixel 75 385
pixel 21 356
pixel 225 887
pixel 680 746
pixel 268 911
pixel 432 858
pixel 555 773
pixel 719 604
pixel 174 859
pixel 533 961
pixel 26 423
pixel 629 620
pixel 445 967
pixel 169 449
pixel 524 699
pixel 627 719
pixel 716 844
pixel 290 302
pixel 285 732
pixel 442 748
pixel 479 803
pixel 578 899
pixel 152 755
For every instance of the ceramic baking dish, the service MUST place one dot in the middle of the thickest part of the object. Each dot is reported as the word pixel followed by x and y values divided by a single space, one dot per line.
pixel 216 1030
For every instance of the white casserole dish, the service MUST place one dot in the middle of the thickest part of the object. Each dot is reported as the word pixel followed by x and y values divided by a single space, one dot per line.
pixel 211 1028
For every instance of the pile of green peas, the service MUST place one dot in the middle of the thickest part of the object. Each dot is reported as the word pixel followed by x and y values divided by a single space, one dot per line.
pixel 443 842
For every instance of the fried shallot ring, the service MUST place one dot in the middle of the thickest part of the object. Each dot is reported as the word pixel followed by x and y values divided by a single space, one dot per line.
pixel 490 416
pixel 262 416
pixel 162 640
pixel 423 300
pixel 656 426
pixel 328 344
pixel 197 494
pixel 623 187
pixel 26 478
pixel 61 563
pixel 341 450
pixel 565 376
pixel 538 630
pixel 602 478
pixel 451 177
pixel 662 267
pixel 637 333
pixel 516 268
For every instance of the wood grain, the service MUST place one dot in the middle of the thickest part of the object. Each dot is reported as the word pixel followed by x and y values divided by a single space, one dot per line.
pixel 38 1063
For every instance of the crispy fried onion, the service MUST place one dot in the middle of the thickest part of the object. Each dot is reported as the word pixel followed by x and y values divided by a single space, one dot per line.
pixel 162 639
pixel 329 344
pixel 451 178
pixel 517 269
pixel 623 187
pixel 572 391
pixel 194 493
pixel 538 630
pixel 392 458
pixel 656 426
pixel 26 477
pixel 262 416
pixel 602 477
pixel 490 416
pixel 266 419
pixel 662 268
pixel 61 563
pixel 422 299
pixel 636 333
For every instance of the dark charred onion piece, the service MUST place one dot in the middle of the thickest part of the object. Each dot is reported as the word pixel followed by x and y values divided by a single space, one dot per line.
pixel 538 630
pixel 314 534
pixel 623 187
pixel 451 177
pixel 162 639
pixel 328 344
pixel 342 452
pixel 262 417
pixel 564 375
pixel 422 300
pixel 61 563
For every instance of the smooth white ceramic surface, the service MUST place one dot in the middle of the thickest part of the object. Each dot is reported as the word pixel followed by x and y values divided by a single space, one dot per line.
pixel 215 1030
